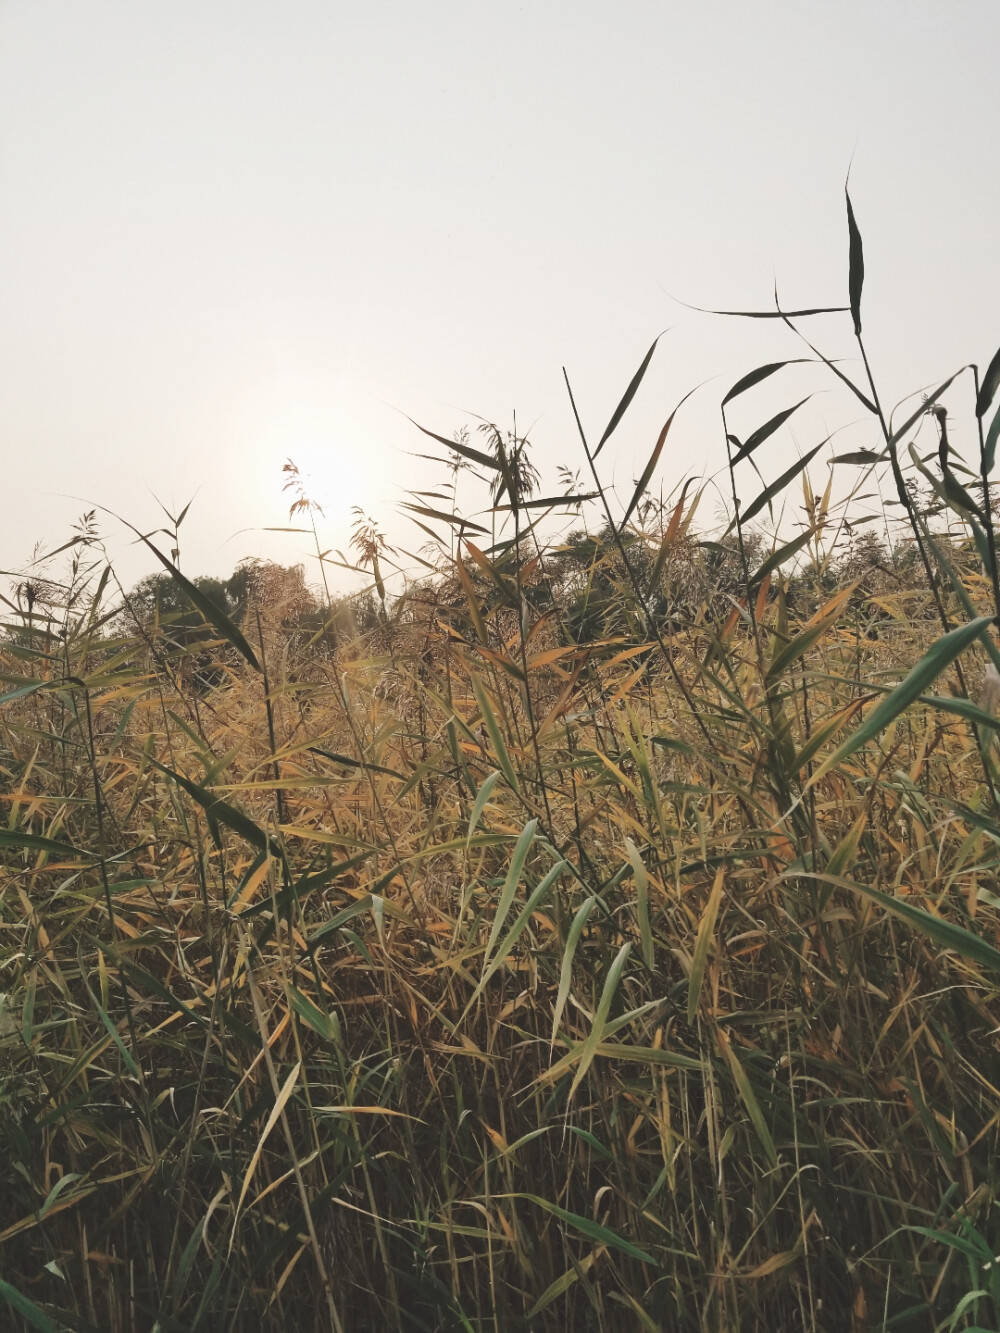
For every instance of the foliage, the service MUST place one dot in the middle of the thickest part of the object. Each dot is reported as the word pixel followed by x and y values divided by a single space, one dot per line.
pixel 603 935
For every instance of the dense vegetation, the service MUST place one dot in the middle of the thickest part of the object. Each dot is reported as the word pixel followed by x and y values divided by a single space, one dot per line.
pixel 599 933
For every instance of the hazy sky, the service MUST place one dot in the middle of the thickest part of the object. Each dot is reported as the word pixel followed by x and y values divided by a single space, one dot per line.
pixel 234 231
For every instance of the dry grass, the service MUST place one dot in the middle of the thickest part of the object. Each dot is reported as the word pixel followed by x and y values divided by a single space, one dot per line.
pixel 467 975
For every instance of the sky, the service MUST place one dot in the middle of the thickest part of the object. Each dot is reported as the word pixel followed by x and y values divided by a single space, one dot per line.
pixel 234 232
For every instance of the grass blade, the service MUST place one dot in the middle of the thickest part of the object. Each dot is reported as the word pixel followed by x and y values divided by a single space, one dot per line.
pixel 706 930
pixel 949 936
pixel 856 275
pixel 490 722
pixel 627 397
pixel 288 1087
pixel 566 970
pixel 748 1097
pixel 588 1050
pixel 766 431
pixel 938 657
pixel 26 1309
pixel 761 373
pixel 213 614
pixel 776 487
pixel 642 902
pixel 482 796
pixel 219 811
pixel 586 1227
pixel 517 860
pixel 650 467
pixel 535 898
pixel 989 386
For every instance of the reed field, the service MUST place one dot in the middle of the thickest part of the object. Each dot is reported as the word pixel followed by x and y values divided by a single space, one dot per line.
pixel 598 932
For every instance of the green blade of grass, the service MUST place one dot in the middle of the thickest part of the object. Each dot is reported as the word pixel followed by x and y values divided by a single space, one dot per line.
pixel 641 902
pixel 15 838
pixel 26 1309
pixel 482 796
pixel 706 930
pixel 219 810
pixel 856 271
pixel 761 373
pixel 588 1050
pixel 766 431
pixel 776 487
pixel 586 1227
pixel 513 879
pixel 949 936
pixel 566 969
pixel 650 467
pixel 213 614
pixel 748 1097
pixel 781 556
pixel 627 397
pixel 490 722
pixel 989 386
pixel 938 657
pixel 535 899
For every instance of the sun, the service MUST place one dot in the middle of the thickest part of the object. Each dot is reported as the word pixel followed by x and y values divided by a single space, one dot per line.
pixel 328 431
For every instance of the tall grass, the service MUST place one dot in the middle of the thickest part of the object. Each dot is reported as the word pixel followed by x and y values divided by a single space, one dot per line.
pixel 603 938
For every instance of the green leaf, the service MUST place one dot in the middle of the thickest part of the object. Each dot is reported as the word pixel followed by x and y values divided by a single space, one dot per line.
pixel 706 931
pixel 482 796
pixel 490 722
pixel 348 762
pixel 826 730
pixel 960 590
pixel 776 487
pixel 569 953
pixel 453 520
pixel 153 985
pixel 925 403
pixel 26 1309
pixel 761 373
pixel 843 856
pixel 326 1025
pixel 749 1098
pixel 15 838
pixel 804 640
pixel 949 936
pixel 63 1183
pixel 513 879
pixel 536 897
pixel 937 658
pixel 856 275
pixel 859 458
pixel 30 687
pixel 301 887
pixel 989 386
pixel 767 430
pixel 560 1285
pixel 466 450
pixel 592 1230
pixel 779 557
pixel 340 919
pixel 586 1052
pixel 627 397
pixel 212 613
pixel 642 902
pixel 990 445
pixel 961 708
pixel 553 501
pixel 777 314
pixel 650 467
pixel 219 811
